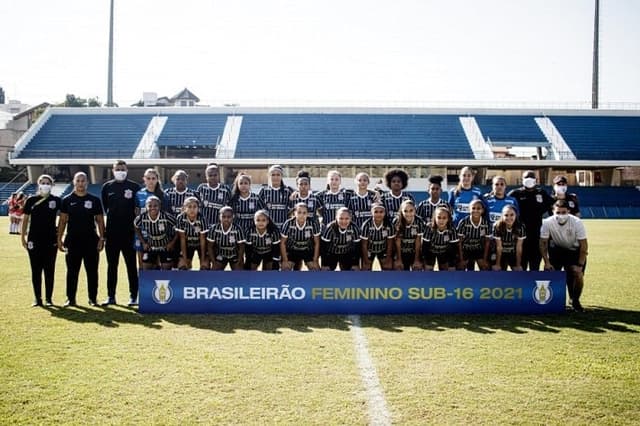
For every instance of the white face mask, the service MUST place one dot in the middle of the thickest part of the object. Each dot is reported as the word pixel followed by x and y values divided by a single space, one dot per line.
pixel 120 175
pixel 560 189
pixel 562 218
pixel 529 182
pixel 44 188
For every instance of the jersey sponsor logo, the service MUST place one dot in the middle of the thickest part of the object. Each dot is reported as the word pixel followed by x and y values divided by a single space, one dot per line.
pixel 463 208
pixel 88 204
pixel 162 292
pixel 128 194
pixel 542 293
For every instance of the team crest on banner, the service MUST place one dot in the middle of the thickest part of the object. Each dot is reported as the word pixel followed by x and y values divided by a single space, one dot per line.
pixel 542 293
pixel 162 292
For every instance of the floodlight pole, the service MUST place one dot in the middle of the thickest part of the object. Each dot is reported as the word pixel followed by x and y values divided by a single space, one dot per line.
pixel 596 39
pixel 110 72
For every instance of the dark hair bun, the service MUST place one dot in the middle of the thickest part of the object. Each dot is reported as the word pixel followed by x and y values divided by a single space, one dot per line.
pixel 436 179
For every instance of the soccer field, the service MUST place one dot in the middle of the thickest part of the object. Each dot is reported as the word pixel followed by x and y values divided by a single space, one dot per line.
pixel 94 365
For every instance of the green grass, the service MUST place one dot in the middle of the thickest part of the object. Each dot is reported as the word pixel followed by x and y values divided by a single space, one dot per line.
pixel 112 365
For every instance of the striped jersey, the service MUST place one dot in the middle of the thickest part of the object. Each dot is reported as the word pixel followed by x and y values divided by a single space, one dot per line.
pixel 473 236
pixel 342 241
pixel 244 209
pixel 460 201
pixel 426 208
pixel 408 236
pixel 175 199
pixel 277 202
pixel 300 238
pixel 508 238
pixel 439 242
pixel 262 243
pixel 332 201
pixel 225 242
pixel 313 204
pixel 212 200
pixel 494 206
pixel 191 229
pixel 360 206
pixel 157 233
pixel 392 203
pixel 377 236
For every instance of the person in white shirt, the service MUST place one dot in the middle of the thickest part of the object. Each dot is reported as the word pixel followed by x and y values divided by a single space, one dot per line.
pixel 563 245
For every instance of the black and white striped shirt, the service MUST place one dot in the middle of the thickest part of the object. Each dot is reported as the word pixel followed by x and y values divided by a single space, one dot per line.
pixel 277 202
pixel 473 236
pixel 175 199
pixel 212 200
pixel 264 243
pixel 508 238
pixel 300 238
pixel 342 241
pixel 408 236
pixel 377 236
pixel 360 206
pixel 438 242
pixel 157 233
pixel 426 208
pixel 244 209
pixel 225 242
pixel 332 201
pixel 313 204
pixel 392 203
pixel 191 230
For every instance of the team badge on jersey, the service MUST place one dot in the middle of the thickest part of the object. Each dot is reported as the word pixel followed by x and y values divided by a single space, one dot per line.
pixel 539 198
pixel 88 204
pixel 307 234
pixel 267 240
pixel 232 239
pixel 161 227
pixel 128 194
pixel 252 205
pixel 220 196
pixel 542 293
pixel 52 204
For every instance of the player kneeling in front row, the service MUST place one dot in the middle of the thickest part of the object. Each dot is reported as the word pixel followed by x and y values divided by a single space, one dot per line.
pixel 192 230
pixel 263 242
pixel 341 243
pixel 300 240
pixel 226 243
pixel 440 242
pixel 156 231
pixel 509 234
pixel 563 245
pixel 378 239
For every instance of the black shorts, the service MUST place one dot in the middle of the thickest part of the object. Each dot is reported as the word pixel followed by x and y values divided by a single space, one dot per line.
pixel 226 260
pixel 157 255
pixel 296 256
pixel 346 261
pixel 381 256
pixel 508 259
pixel 562 258
pixel 256 258
pixel 407 260
pixel 191 252
pixel 448 257
pixel 476 254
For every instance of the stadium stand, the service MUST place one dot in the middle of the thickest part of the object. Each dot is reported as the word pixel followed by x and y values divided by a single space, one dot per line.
pixel 192 129
pixel 509 129
pixel 88 136
pixel 352 136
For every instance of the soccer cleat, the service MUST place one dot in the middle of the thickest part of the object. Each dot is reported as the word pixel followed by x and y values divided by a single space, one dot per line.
pixel 577 306
pixel 36 303
pixel 93 302
pixel 48 303
pixel 109 301
pixel 132 302
pixel 69 303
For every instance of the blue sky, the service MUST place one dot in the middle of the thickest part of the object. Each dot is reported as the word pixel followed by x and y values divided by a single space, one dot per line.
pixel 355 52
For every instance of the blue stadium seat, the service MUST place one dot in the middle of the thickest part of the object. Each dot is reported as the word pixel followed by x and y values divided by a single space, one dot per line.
pixel 519 130
pixel 192 129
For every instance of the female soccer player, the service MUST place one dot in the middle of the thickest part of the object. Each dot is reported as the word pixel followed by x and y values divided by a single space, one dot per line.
pixel 427 207
pixel 192 231
pixel 175 196
pixel 244 203
pixel 509 234
pixel 333 198
pixel 560 193
pixel 275 195
pixel 409 229
pixel 497 199
pixel 377 237
pixel 16 212
pixel 396 180
pixel 39 238
pixel 361 200
pixel 152 187
pixel 226 242
pixel 304 195
pixel 213 195
pixel 156 232
pixel 341 243
pixel 300 240
pixel 263 242
pixel 475 234
pixel 440 242
pixel 462 195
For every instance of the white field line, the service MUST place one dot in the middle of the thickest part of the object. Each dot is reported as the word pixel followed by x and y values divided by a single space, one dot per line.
pixel 377 406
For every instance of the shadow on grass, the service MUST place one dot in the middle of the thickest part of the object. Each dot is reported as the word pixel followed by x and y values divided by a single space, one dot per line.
pixel 594 320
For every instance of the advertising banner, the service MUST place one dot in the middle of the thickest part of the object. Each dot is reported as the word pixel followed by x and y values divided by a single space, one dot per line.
pixel 394 292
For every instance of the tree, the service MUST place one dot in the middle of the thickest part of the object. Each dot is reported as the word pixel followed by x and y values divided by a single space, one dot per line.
pixel 72 101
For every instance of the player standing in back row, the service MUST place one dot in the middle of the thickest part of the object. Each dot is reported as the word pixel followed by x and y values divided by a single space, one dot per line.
pixel 213 195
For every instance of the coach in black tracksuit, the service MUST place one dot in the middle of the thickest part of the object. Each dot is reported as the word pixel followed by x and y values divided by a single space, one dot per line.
pixel 79 215
pixel 533 203
pixel 119 201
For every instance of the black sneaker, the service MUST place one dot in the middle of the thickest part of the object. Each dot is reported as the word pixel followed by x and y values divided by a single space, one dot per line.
pixel 577 306
pixel 48 303
pixel 93 302
pixel 69 303
pixel 36 303
pixel 109 301
pixel 132 302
